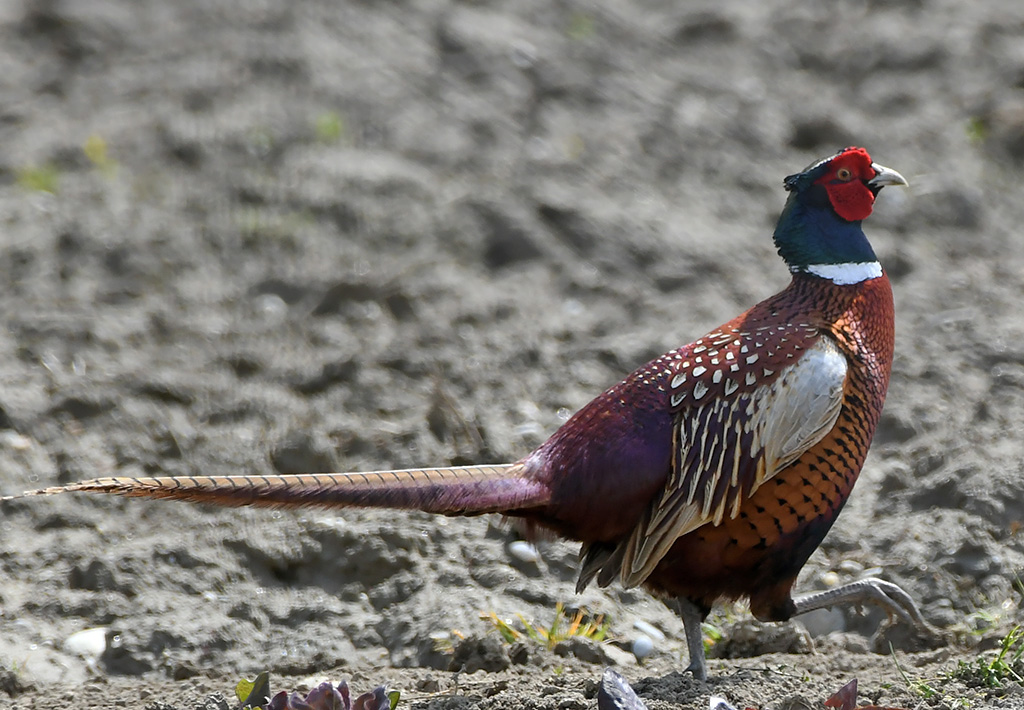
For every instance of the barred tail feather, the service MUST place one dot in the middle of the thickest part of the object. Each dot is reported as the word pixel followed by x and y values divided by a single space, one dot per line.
pixel 466 490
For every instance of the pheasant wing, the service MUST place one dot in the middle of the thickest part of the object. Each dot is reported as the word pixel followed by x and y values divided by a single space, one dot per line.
pixel 727 446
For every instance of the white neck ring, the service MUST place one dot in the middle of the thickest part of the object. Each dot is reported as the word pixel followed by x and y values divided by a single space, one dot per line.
pixel 847 274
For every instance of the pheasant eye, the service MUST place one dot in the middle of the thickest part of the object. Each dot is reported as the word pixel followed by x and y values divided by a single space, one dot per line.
pixel 844 174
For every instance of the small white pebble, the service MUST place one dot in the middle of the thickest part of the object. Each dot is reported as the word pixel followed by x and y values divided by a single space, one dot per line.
pixel 649 629
pixel 572 307
pixel 15 440
pixel 717 703
pixel 89 643
pixel 830 578
pixel 331 523
pixel 643 646
pixel 851 567
pixel 523 551
pixel 270 305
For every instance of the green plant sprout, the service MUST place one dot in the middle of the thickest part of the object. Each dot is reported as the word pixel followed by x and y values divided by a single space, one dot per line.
pixel 39 178
pixel 95 149
pixel 579 625
pixel 918 687
pixel 330 127
pixel 1005 667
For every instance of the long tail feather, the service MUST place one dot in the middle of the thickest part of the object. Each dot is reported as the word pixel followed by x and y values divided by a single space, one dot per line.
pixel 465 490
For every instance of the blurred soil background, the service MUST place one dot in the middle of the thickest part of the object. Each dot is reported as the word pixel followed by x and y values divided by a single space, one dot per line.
pixel 260 236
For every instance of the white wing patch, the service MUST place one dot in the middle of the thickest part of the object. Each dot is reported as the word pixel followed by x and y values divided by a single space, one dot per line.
pixel 809 407
pixel 727 448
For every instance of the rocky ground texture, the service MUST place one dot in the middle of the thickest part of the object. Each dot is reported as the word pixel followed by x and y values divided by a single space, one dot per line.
pixel 266 236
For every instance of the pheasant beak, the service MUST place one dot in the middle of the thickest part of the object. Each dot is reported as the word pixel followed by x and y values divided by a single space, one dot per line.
pixel 885 176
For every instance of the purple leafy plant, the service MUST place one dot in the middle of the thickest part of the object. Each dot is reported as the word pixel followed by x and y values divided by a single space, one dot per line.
pixel 329 697
pixel 325 696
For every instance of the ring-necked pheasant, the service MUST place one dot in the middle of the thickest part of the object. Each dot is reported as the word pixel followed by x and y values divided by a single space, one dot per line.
pixel 711 472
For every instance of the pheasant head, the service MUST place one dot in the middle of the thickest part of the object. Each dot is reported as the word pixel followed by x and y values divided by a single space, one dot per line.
pixel 819 231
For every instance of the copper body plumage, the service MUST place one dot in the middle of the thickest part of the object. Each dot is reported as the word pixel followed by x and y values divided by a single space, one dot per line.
pixel 759 552
pixel 711 472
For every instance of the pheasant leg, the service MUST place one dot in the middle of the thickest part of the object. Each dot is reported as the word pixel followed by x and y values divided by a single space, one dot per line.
pixel 693 618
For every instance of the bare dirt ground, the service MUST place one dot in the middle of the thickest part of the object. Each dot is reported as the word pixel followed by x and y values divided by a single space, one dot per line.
pixel 270 236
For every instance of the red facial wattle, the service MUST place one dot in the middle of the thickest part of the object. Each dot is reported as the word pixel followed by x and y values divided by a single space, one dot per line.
pixel 851 198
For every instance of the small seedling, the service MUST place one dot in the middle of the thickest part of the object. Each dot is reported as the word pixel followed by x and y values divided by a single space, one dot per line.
pixel 1018 584
pixel 581 26
pixel 445 642
pixel 977 129
pixel 712 635
pixel 1005 667
pixel 918 687
pixel 95 150
pixel 254 693
pixel 39 178
pixel 595 629
pixel 330 127
pixel 982 621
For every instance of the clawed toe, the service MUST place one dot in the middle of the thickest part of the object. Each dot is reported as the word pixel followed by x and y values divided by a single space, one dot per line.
pixel 698 668
pixel 891 597
pixel 895 601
